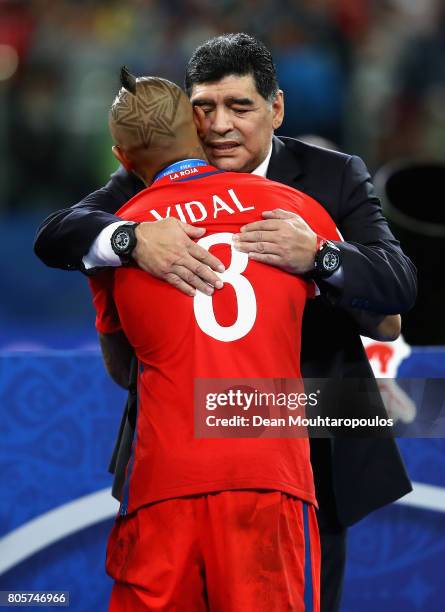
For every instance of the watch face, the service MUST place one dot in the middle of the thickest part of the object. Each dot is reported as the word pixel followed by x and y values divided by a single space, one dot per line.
pixel 122 240
pixel 331 261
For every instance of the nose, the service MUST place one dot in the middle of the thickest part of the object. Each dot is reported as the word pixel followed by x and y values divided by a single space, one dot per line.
pixel 221 120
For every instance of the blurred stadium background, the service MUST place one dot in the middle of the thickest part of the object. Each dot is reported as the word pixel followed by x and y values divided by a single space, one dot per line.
pixel 367 75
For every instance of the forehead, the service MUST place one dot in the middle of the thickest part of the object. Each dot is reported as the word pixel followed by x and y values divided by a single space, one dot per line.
pixel 231 86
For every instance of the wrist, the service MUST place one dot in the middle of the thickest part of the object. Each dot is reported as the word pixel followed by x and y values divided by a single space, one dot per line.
pixel 311 258
pixel 327 259
pixel 143 237
pixel 124 241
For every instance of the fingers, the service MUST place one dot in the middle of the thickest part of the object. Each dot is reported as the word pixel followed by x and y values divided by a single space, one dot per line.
pixel 196 268
pixel 255 236
pixel 192 230
pixel 178 283
pixel 188 282
pixel 262 237
pixel 198 276
pixel 272 260
pixel 198 252
pixel 254 246
pixel 204 257
pixel 269 225
pixel 278 213
pixel 284 215
pixel 166 250
pixel 192 280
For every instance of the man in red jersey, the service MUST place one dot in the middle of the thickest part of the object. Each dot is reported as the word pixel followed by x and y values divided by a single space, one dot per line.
pixel 233 79
pixel 219 524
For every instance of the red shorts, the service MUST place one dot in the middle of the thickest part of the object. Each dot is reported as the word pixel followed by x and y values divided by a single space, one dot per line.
pixel 224 552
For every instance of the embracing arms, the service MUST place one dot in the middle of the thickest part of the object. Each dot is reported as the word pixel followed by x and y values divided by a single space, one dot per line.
pixel 65 237
pixel 164 248
pixel 375 274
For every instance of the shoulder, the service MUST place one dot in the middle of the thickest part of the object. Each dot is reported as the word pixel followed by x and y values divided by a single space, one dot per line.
pixel 134 206
pixel 312 152
pixel 253 182
pixel 275 194
pixel 122 177
pixel 314 168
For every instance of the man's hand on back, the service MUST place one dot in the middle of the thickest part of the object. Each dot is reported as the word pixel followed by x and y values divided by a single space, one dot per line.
pixel 166 250
pixel 283 239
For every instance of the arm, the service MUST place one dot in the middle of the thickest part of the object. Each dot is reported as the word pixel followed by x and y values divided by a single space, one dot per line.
pixel 378 327
pixel 164 248
pixel 117 353
pixel 378 276
pixel 375 274
pixel 66 235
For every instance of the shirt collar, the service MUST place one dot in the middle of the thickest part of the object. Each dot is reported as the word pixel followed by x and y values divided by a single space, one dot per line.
pixel 261 170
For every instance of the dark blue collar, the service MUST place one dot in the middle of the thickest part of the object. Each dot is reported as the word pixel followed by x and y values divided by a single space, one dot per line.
pixel 184 164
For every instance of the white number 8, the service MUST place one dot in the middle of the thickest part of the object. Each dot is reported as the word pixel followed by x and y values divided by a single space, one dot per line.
pixel 245 295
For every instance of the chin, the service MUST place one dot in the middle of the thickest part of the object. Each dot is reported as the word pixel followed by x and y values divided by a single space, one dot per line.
pixel 229 164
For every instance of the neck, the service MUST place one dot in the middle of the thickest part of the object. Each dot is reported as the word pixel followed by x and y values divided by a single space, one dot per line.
pixel 148 172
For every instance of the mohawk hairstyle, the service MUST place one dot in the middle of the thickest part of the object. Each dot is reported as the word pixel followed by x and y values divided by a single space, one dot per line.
pixel 128 80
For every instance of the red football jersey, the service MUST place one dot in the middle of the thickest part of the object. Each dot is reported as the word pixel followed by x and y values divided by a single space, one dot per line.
pixel 251 328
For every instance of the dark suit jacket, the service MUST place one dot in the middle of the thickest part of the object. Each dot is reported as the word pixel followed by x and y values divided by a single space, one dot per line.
pixel 353 476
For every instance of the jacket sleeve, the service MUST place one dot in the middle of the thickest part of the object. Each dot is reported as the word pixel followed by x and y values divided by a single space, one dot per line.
pixel 67 235
pixel 378 276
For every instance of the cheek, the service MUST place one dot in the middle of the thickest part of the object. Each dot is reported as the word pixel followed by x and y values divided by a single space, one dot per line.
pixel 248 134
pixel 204 129
pixel 256 137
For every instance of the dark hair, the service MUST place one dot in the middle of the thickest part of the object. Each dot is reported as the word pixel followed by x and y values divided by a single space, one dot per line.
pixel 128 80
pixel 238 54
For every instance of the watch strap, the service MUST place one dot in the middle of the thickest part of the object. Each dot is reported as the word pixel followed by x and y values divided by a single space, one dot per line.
pixel 123 241
pixel 325 249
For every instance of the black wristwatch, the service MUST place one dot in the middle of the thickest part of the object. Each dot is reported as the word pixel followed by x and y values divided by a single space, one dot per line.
pixel 327 259
pixel 123 241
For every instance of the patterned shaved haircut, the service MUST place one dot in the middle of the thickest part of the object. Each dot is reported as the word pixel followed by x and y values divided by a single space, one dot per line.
pixel 148 112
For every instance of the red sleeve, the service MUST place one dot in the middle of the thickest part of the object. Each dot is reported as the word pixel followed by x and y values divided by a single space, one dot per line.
pixel 107 317
pixel 317 217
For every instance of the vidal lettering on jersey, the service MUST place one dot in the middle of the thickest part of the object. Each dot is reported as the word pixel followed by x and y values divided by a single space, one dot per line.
pixel 196 212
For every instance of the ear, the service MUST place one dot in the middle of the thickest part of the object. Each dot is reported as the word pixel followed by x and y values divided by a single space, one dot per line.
pixel 199 118
pixel 121 156
pixel 278 110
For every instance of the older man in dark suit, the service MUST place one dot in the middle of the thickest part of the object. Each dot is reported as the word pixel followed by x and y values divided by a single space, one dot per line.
pixel 231 80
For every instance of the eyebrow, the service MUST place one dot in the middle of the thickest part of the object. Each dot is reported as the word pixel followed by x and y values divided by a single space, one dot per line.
pixel 228 100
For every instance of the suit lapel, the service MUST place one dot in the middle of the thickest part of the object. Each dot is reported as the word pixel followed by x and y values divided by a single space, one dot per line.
pixel 285 165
